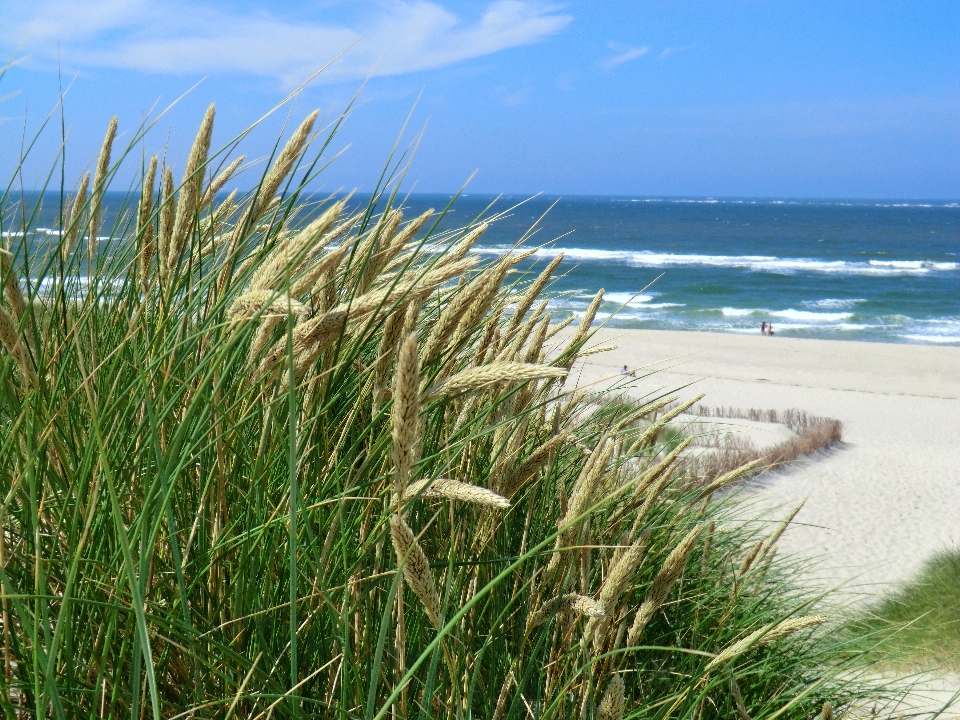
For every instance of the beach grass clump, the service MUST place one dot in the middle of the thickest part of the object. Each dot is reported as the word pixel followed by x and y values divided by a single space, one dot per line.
pixel 917 627
pixel 271 455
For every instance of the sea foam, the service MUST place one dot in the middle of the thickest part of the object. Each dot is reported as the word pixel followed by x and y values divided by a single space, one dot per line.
pixel 756 263
pixel 789 314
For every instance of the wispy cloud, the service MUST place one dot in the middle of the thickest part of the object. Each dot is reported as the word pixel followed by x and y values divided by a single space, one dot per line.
pixel 625 56
pixel 184 37
pixel 667 52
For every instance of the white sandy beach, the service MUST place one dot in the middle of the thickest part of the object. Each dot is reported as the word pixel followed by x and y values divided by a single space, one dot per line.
pixel 876 507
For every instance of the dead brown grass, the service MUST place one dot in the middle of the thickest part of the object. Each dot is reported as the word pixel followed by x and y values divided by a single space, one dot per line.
pixel 797 420
pixel 814 434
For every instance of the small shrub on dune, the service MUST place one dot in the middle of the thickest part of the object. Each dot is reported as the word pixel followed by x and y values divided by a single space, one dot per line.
pixel 267 457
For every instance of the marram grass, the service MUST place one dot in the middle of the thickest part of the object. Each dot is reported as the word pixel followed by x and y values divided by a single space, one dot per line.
pixel 916 627
pixel 267 457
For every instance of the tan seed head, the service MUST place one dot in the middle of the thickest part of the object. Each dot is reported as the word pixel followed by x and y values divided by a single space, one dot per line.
pixel 416 567
pixel 406 416
pixel 99 187
pixel 485 375
pixel 763 636
pixel 669 573
pixel 613 701
pixel 453 490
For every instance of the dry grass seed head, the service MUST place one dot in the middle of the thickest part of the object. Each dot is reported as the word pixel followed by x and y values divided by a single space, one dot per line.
pixel 536 461
pixel 649 436
pixel 590 314
pixel 535 348
pixel 319 277
pixel 168 211
pixel 10 339
pixel 645 410
pixel 291 253
pixel 283 165
pixel 580 498
pixel 145 224
pixel 416 567
pixel 560 326
pixel 455 305
pixel 485 375
pixel 584 605
pixel 406 416
pixel 310 339
pixel 669 573
pixel 613 701
pixel 188 201
pixel 749 560
pixel 622 573
pixel 99 187
pixel 460 250
pixel 216 185
pixel 265 302
pixel 73 221
pixel 781 528
pixel 488 286
pixel 411 316
pixel 379 251
pixel 652 475
pixel 763 636
pixel 531 294
pixel 409 230
pixel 262 337
pixel 414 289
pixel 11 286
pixel 728 478
pixel 517 338
pixel 574 602
pixel 587 482
pixel 596 350
pixel 454 490
pixel 389 339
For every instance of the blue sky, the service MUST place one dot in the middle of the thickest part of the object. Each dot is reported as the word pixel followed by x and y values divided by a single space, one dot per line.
pixel 770 99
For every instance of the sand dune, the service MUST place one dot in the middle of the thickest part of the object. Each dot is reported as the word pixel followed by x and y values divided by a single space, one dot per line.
pixel 878 506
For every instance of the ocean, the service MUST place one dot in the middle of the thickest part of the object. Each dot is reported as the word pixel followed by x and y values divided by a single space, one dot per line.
pixel 854 270
pixel 882 271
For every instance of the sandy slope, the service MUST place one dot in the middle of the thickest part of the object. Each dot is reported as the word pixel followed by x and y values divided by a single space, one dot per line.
pixel 877 507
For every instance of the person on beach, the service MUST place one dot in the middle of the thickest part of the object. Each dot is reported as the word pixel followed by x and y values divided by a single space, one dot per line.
pixel 770 329
pixel 763 328
pixel 627 371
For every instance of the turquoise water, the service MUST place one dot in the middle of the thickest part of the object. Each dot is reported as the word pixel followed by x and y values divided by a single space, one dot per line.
pixel 855 270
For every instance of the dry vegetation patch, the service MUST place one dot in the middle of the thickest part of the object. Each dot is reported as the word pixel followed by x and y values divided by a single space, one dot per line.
pixel 729 450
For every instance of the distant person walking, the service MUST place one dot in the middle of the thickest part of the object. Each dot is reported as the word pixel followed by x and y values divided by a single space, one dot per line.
pixel 770 329
pixel 763 328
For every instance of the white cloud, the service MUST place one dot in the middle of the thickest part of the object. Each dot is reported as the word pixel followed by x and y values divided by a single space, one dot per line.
pixel 667 52
pixel 626 56
pixel 184 37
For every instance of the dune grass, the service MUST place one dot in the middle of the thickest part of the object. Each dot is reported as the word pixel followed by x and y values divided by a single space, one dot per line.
pixel 918 626
pixel 263 455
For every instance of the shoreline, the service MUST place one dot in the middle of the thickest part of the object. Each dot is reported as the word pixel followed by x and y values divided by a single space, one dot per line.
pixel 879 505
pixel 876 340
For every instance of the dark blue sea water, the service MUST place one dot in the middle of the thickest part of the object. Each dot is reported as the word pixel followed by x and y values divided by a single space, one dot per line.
pixel 854 270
